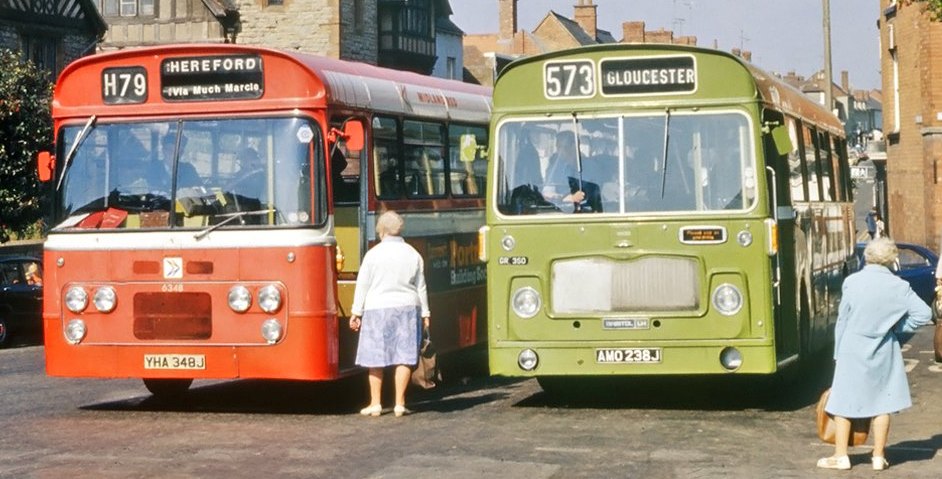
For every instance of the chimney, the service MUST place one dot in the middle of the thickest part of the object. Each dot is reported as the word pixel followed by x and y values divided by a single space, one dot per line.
pixel 737 52
pixel 507 16
pixel 747 55
pixel 587 17
pixel 633 32
pixel 845 81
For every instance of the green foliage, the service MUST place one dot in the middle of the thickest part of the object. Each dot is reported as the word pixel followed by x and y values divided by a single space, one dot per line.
pixel 25 128
pixel 933 6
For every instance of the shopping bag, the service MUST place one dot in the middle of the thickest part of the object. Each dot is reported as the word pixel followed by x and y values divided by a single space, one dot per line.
pixel 426 374
pixel 859 427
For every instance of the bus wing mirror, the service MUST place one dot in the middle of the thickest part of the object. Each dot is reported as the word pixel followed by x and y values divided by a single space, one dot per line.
pixel 353 134
pixel 45 165
pixel 782 140
pixel 469 148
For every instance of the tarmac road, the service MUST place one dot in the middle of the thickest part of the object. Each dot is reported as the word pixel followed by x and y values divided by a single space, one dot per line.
pixel 474 426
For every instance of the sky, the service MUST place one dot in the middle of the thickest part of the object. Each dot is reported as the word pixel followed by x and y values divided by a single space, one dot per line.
pixel 783 35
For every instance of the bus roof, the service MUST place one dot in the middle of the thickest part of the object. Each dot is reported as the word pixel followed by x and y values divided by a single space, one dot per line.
pixel 723 79
pixel 291 80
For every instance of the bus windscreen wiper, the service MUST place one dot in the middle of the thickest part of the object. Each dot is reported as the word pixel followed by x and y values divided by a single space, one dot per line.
pixel 78 141
pixel 667 137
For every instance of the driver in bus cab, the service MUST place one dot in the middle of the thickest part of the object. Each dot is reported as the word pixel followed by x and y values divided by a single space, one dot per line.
pixel 187 177
pixel 562 166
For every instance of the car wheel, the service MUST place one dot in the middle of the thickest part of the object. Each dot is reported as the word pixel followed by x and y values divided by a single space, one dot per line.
pixel 937 341
pixel 4 332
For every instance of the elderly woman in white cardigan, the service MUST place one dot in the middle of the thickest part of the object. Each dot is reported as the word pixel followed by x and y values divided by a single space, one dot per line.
pixel 389 300
pixel 869 374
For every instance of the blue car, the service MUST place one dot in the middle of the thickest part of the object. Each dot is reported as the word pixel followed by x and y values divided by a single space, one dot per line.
pixel 916 265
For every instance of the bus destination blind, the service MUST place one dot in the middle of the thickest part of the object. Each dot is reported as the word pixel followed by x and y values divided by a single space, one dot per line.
pixel 646 76
pixel 212 78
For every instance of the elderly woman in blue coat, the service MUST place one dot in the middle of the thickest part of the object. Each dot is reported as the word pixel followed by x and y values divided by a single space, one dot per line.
pixel 390 308
pixel 869 374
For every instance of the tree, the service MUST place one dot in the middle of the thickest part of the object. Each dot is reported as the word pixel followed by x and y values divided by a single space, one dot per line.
pixel 25 128
pixel 933 6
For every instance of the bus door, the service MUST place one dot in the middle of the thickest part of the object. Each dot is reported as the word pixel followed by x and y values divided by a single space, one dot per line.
pixel 786 186
pixel 347 150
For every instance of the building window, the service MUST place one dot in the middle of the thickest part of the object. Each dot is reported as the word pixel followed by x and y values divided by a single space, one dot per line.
pixel 451 64
pixel 276 3
pixel 125 8
pixel 358 15
pixel 42 52
pixel 894 54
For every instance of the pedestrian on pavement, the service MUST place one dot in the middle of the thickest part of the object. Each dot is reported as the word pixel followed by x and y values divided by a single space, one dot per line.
pixel 872 222
pixel 869 375
pixel 880 226
pixel 389 300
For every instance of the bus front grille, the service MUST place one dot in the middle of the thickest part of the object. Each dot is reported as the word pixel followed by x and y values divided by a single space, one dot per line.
pixel 602 285
pixel 173 316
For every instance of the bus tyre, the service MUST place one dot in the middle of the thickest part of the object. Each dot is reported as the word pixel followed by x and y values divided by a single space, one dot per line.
pixel 167 388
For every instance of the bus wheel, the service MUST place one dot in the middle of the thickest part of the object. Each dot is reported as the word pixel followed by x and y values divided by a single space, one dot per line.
pixel 167 388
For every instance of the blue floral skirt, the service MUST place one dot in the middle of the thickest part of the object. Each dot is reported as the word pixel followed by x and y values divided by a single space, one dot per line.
pixel 389 336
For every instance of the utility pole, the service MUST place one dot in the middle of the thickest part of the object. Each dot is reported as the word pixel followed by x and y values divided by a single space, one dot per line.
pixel 828 101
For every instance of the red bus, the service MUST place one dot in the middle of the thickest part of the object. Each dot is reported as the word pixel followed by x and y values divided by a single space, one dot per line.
pixel 212 204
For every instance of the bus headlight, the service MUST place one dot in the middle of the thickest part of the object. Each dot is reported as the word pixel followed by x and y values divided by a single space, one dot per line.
pixel 240 299
pixel 76 299
pixel 731 358
pixel 105 299
pixel 271 331
pixel 727 299
pixel 269 299
pixel 75 331
pixel 527 360
pixel 526 302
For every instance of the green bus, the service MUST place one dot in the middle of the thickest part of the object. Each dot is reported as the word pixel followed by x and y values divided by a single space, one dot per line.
pixel 659 210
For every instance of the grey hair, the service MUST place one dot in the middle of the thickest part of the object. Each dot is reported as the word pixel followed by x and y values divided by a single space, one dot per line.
pixel 881 251
pixel 389 224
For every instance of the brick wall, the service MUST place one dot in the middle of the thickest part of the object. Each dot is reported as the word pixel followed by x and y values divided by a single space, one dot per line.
pixel 914 147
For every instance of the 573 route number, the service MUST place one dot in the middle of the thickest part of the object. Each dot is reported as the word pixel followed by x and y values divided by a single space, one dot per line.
pixel 569 79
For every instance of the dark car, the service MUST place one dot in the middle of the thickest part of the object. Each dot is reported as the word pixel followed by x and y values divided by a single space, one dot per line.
pixel 916 265
pixel 21 297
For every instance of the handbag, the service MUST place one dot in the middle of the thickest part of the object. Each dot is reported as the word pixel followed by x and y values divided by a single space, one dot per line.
pixel 859 427
pixel 426 374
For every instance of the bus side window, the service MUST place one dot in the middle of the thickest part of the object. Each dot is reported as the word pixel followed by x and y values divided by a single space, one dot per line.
pixel 387 180
pixel 423 149
pixel 796 179
pixel 811 166
pixel 467 160
pixel 345 167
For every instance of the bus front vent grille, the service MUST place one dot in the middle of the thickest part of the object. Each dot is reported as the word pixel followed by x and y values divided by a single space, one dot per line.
pixel 173 316
pixel 602 285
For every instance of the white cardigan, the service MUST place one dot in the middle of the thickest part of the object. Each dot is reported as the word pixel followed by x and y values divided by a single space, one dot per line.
pixel 391 275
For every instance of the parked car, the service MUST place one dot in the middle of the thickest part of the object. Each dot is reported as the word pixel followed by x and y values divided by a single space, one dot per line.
pixel 916 265
pixel 21 297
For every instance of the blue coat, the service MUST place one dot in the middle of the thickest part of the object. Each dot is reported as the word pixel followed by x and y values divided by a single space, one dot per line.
pixel 869 375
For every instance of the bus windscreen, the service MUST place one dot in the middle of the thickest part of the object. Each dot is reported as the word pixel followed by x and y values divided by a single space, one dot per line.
pixel 620 166
pixel 191 174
